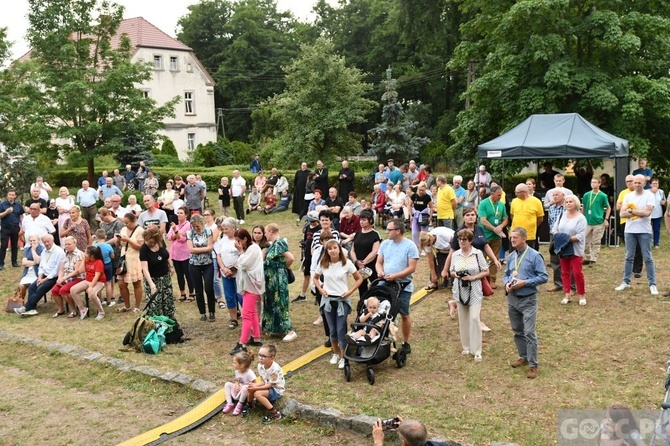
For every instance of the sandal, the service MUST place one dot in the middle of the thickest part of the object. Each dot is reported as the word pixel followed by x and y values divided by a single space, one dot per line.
pixel 72 314
pixel 55 315
pixel 222 305
pixel 190 298
pixel 232 324
pixel 135 310
pixel 183 298
pixel 430 287
pixel 123 309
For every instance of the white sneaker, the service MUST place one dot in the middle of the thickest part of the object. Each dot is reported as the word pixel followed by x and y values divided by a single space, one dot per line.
pixel 622 287
pixel 340 364
pixel 318 321
pixel 335 359
pixel 241 222
pixel 112 303
pixel 653 290
pixel 290 336
pixel 20 310
pixel 30 313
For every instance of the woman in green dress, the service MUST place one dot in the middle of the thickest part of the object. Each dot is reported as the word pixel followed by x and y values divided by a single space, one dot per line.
pixel 276 317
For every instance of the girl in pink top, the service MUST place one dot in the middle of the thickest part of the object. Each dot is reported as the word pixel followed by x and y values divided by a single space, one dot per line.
pixel 179 253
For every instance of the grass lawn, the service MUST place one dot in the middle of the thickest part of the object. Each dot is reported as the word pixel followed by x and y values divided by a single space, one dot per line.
pixel 590 357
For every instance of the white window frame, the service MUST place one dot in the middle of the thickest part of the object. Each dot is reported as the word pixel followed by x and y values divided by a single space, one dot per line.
pixel 189 102
pixel 190 141
pixel 146 92
pixel 158 62
pixel 174 63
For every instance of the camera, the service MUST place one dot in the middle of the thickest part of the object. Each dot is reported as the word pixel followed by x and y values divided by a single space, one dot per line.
pixel 391 423
pixel 461 274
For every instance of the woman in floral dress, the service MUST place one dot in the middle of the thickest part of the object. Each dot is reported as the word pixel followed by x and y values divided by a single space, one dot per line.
pixel 276 317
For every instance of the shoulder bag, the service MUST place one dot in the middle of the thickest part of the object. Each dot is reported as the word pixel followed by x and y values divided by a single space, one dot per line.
pixel 487 289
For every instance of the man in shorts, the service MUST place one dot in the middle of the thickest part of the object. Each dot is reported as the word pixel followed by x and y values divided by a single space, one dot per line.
pixel 396 262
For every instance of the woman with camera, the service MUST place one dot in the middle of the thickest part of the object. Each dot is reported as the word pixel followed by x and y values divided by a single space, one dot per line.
pixel 468 268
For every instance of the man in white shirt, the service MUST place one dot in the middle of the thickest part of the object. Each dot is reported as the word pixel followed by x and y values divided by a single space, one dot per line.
pixel 559 181
pixel 116 207
pixel 237 188
pixel 47 274
pixel 43 187
pixel 636 208
pixel 36 223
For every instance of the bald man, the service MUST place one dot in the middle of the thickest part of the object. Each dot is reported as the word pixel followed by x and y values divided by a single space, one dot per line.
pixel 527 212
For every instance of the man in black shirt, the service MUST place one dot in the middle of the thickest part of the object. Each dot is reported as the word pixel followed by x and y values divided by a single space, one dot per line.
pixel 321 181
pixel 35 198
pixel 335 205
pixel 11 215
pixel 346 177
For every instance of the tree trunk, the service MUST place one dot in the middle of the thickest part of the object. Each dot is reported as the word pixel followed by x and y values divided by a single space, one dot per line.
pixel 90 163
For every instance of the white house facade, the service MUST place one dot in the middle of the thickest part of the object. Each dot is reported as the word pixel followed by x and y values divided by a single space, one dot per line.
pixel 176 72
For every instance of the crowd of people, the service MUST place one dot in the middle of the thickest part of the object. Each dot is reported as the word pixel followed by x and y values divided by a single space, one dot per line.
pixel 78 252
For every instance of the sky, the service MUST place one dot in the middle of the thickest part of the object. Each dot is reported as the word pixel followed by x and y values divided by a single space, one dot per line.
pixel 161 13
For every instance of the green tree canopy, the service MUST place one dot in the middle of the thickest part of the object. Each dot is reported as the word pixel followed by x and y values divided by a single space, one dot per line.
pixel 244 45
pixel 608 61
pixel 80 86
pixel 322 100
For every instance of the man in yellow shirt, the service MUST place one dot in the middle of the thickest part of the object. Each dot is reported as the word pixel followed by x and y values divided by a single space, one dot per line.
pixel 446 203
pixel 526 212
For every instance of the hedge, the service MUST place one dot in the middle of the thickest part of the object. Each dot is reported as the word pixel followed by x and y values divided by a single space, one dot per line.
pixel 72 177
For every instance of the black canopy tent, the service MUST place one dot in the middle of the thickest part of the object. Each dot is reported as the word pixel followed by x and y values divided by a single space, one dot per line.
pixel 563 135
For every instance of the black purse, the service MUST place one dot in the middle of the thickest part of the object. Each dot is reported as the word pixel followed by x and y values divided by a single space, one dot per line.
pixel 290 274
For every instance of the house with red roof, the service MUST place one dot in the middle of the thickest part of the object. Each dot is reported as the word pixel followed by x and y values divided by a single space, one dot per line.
pixel 176 72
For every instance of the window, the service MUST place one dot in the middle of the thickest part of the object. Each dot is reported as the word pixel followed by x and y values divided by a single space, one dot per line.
pixel 174 63
pixel 190 141
pixel 189 68
pixel 189 103
pixel 146 93
pixel 158 62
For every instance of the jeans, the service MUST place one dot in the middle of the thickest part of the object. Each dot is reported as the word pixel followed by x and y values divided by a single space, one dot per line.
pixel 203 274
pixel 35 292
pixel 644 242
pixel 238 205
pixel 522 314
pixel 446 222
pixel 9 234
pixel 337 324
pixel 656 228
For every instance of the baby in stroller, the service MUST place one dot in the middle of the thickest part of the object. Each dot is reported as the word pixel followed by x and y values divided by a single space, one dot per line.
pixel 373 313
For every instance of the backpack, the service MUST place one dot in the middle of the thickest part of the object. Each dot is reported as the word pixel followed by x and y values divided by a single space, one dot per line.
pixel 138 332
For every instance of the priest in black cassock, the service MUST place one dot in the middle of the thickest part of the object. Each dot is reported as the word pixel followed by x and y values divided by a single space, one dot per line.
pixel 346 177
pixel 299 183
pixel 321 182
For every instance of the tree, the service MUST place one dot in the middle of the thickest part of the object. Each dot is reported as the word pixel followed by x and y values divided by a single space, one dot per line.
pixel 322 100
pixel 81 83
pixel 395 136
pixel 244 45
pixel 608 61
pixel 17 171
pixel 168 148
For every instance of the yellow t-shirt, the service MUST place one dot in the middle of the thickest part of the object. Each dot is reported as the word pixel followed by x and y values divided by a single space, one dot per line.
pixel 445 195
pixel 525 214
pixel 622 195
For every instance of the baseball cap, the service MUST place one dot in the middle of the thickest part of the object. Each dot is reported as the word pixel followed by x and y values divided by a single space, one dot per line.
pixel 312 216
pixel 482 167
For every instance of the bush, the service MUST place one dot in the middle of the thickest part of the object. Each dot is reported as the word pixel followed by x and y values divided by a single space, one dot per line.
pixel 211 154
pixel 167 161
pixel 168 149
pixel 241 152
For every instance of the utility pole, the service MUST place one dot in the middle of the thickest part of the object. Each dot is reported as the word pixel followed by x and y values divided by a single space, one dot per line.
pixel 219 121
pixel 472 66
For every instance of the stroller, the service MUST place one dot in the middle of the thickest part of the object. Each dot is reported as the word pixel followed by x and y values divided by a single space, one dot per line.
pixel 378 349
pixel 662 428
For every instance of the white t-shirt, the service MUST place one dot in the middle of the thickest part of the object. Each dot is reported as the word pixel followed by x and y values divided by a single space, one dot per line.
pixel 443 236
pixel 237 186
pixel 273 375
pixel 226 250
pixel 639 225
pixel 336 277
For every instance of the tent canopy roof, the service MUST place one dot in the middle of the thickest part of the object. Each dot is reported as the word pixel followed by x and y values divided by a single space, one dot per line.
pixel 564 135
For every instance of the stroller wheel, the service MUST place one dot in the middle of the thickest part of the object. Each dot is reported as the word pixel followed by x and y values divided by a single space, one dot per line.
pixel 401 358
pixel 371 376
pixel 347 372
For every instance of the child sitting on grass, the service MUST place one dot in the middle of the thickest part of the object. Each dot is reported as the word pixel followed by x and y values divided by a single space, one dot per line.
pixel 371 314
pixel 238 390
pixel 270 389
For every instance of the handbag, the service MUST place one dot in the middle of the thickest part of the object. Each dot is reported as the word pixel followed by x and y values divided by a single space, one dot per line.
pixel 424 219
pixel 290 274
pixel 122 267
pixel 487 289
pixel 16 300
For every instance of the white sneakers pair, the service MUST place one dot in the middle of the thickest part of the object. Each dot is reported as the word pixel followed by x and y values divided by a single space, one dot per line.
pixel 335 359
pixel 652 288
